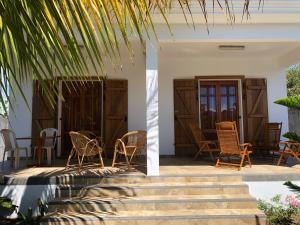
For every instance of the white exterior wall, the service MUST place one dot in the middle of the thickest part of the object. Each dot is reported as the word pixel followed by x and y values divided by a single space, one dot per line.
pixel 176 68
pixel 187 65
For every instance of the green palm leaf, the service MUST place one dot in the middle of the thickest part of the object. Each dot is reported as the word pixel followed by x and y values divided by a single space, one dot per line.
pixel 290 102
pixel 45 39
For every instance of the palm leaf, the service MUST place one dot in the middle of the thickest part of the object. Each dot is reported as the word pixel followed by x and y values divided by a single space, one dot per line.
pixel 290 102
pixel 293 187
pixel 44 39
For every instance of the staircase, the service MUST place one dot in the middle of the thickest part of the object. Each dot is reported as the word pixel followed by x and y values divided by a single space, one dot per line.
pixel 168 200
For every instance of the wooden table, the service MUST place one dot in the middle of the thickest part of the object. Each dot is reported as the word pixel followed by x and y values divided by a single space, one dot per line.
pixel 39 141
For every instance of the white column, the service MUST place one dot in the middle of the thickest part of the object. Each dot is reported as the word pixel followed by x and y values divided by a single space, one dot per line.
pixel 152 108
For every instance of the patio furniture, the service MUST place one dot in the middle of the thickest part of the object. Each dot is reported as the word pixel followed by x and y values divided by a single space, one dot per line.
pixel 11 145
pixel 290 149
pixel 49 140
pixel 229 144
pixel 130 145
pixel 92 135
pixel 203 145
pixel 271 138
pixel 84 147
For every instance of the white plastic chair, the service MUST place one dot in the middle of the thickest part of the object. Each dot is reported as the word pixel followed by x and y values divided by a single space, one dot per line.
pixel 49 136
pixel 11 145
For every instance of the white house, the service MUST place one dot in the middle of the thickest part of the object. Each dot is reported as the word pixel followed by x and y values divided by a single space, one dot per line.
pixel 233 72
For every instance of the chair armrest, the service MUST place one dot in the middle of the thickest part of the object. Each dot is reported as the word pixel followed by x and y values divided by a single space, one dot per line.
pixel 246 145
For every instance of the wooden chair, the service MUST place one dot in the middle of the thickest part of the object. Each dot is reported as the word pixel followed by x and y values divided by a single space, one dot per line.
pixel 203 145
pixel 271 138
pixel 84 147
pixel 290 149
pixel 229 144
pixel 130 145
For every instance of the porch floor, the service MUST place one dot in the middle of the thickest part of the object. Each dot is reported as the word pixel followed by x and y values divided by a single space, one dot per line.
pixel 261 170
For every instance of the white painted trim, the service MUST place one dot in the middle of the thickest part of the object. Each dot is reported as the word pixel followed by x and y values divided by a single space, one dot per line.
pixel 59 113
pixel 240 103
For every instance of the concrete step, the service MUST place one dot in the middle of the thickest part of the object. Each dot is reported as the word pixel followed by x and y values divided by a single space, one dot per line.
pixel 157 217
pixel 134 179
pixel 164 202
pixel 129 190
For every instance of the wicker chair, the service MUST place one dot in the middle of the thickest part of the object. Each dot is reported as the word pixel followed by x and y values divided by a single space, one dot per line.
pixel 201 142
pixel 229 144
pixel 130 145
pixel 84 147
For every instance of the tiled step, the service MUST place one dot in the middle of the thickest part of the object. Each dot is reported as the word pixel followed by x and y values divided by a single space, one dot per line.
pixel 64 191
pixel 157 217
pixel 133 179
pixel 176 202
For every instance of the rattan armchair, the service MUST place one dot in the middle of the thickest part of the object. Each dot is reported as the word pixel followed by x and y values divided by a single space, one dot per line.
pixel 84 147
pixel 229 144
pixel 130 145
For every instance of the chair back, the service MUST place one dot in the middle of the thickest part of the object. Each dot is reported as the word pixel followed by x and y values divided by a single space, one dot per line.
pixel 49 136
pixel 272 133
pixel 83 145
pixel 197 134
pixel 228 138
pixel 9 139
pixel 135 139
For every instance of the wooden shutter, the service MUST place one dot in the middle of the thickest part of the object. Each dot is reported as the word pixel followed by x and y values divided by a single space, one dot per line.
pixel 186 110
pixel 255 109
pixel 43 114
pixel 115 112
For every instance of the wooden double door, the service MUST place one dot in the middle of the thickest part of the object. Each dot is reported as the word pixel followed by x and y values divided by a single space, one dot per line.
pixel 218 101
pixel 210 101
pixel 97 106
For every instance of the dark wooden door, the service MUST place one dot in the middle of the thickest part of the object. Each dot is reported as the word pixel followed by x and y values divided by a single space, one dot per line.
pixel 219 101
pixel 43 112
pixel 186 110
pixel 115 112
pixel 82 109
pixel 255 109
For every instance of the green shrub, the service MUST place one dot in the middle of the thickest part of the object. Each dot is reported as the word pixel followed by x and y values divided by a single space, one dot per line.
pixel 280 212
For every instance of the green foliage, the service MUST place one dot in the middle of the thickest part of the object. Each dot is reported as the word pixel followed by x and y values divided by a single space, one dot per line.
pixel 43 207
pixel 293 80
pixel 6 203
pixel 277 212
pixel 292 136
pixel 293 187
pixel 290 102
pixel 27 219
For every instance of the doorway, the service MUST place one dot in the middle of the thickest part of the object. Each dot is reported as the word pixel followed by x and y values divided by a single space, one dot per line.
pixel 218 101
pixel 82 109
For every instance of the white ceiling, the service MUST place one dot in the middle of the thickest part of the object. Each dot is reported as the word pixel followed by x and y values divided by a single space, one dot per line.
pixel 211 50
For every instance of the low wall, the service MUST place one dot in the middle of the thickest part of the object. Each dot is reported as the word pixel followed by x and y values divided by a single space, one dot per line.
pixel 294 120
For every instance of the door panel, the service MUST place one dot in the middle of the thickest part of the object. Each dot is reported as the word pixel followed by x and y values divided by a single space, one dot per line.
pixel 81 110
pixel 186 110
pixel 219 101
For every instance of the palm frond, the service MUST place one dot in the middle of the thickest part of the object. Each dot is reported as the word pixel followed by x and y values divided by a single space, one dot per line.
pixel 293 187
pixel 42 39
pixel 290 102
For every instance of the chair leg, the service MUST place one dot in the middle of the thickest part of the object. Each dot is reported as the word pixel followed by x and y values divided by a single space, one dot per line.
pixel 249 160
pixel 49 153
pixel 242 160
pixel 17 159
pixel 26 150
pixel 114 158
pixel 101 160
pixel 69 158
pixel 3 159
pixel 280 158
